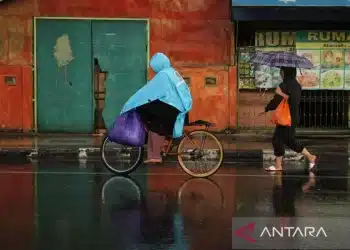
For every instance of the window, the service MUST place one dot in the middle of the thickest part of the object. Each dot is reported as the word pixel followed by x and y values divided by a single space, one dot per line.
pixel 10 80
pixel 210 81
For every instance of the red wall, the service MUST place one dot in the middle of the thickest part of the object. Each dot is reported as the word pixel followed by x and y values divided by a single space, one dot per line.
pixel 197 36
pixel 16 38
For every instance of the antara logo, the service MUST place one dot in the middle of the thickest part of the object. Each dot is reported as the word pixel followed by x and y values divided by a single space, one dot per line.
pixel 292 232
pixel 246 232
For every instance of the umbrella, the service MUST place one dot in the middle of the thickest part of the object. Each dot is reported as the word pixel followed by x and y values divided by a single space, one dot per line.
pixel 281 59
pixel 159 117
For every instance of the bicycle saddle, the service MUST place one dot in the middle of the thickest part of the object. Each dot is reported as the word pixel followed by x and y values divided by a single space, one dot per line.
pixel 201 123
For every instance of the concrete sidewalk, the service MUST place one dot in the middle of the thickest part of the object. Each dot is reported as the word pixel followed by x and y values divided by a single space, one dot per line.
pixel 237 147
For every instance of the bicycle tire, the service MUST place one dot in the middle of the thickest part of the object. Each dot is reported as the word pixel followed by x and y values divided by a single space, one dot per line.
pixel 206 174
pixel 114 170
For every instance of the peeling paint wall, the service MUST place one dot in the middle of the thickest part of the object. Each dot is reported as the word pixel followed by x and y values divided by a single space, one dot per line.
pixel 196 42
pixel 16 61
pixel 197 35
pixel 209 102
pixel 16 41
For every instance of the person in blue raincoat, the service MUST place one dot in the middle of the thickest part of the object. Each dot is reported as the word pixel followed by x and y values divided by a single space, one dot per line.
pixel 169 88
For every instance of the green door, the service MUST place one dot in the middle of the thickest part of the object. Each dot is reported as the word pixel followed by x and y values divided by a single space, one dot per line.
pixel 64 76
pixel 121 49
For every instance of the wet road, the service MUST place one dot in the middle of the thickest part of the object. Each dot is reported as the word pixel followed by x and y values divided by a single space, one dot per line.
pixel 51 205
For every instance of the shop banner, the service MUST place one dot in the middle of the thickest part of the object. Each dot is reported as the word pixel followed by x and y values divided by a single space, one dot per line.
pixel 265 76
pixel 329 51
pixel 308 3
pixel 268 77
pixel 261 76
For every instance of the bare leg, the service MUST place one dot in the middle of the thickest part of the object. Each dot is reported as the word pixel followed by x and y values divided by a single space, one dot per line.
pixel 311 158
pixel 278 147
pixel 279 163
pixel 294 144
pixel 155 144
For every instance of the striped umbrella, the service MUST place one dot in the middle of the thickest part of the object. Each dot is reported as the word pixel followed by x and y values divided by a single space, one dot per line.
pixel 281 59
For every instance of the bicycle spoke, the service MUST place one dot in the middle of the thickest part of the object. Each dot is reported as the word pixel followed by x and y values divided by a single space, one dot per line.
pixel 203 160
pixel 120 159
pixel 203 141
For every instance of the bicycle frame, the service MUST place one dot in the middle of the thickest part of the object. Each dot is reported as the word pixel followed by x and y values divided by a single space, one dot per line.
pixel 167 149
pixel 195 150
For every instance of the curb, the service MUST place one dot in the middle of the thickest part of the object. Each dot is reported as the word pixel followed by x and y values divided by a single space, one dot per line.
pixel 94 153
pixel 257 155
pixel 269 156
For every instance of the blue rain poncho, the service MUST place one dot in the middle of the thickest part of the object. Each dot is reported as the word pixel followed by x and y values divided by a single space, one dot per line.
pixel 167 86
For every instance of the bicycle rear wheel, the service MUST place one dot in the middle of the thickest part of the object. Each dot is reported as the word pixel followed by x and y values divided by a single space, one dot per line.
pixel 120 159
pixel 200 154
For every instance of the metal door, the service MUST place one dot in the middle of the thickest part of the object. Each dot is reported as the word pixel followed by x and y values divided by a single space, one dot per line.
pixel 64 76
pixel 120 48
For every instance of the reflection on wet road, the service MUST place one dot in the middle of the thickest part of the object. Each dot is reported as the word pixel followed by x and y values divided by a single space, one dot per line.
pixel 69 205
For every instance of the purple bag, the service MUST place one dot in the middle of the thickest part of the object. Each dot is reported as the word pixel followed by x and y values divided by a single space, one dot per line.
pixel 128 129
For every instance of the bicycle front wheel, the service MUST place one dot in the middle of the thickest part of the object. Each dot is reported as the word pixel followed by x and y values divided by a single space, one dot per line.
pixel 120 159
pixel 200 154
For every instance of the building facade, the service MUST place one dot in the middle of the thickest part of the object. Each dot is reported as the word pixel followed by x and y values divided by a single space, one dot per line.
pixel 72 66
pixel 69 67
pixel 317 30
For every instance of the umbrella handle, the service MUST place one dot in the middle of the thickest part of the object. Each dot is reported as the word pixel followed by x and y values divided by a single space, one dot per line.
pixel 301 73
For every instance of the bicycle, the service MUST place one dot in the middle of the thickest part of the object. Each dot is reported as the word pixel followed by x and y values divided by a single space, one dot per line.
pixel 125 154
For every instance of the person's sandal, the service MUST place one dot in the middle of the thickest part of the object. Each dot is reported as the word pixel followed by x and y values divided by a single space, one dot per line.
pixel 313 165
pixel 272 169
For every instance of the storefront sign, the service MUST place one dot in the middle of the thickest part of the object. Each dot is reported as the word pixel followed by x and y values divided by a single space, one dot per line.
pixel 329 51
pixel 309 3
pixel 267 77
pixel 323 39
pixel 275 39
